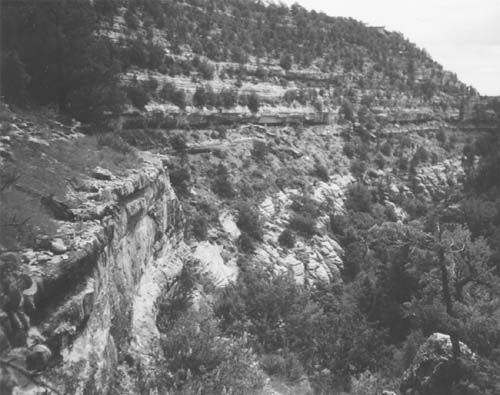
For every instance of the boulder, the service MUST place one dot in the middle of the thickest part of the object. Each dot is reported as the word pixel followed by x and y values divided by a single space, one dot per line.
pixel 228 223
pixel 212 264
pixel 58 247
pixel 102 174
pixel 430 370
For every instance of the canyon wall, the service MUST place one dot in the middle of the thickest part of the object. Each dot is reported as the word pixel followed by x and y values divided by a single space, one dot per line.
pixel 86 311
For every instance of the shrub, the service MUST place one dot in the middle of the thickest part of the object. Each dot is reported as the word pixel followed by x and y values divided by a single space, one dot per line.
pixel 286 239
pixel 206 69
pixel 380 161
pixel 321 171
pixel 305 205
pixel 167 91
pixel 286 61
pixel 180 179
pixel 261 73
pixel 173 304
pixel 253 102
pixel 131 20
pixel 14 78
pixel 290 95
pixel 273 364
pixel 221 132
pixel 358 168
pixel 386 148
pixel 249 221
pixel 222 184
pixel 116 142
pixel 304 225
pixel 338 223
pixel 441 136
pixel 359 198
pixel 137 53
pixel 367 383
pixel 259 150
pixel 201 361
pixel 178 142
pixel 170 93
pixel 415 207
pixel 346 110
pixel 349 149
pixel 227 98
pixel 245 244
pixel 402 163
pixel 421 155
pixel 156 56
pixel 199 227
pixel 179 98
pixel 200 97
pixel 138 96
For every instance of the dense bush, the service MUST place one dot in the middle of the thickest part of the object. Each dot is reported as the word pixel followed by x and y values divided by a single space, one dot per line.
pixel 305 205
pixel 318 329
pixel 77 72
pixel 402 163
pixel 321 171
pixel 386 148
pixel 441 136
pixel 421 155
pixel 14 78
pixel 180 178
pixel 179 98
pixel 201 361
pixel 131 20
pixel 206 69
pixel 253 102
pixel 249 221
pixel 359 198
pixel 222 184
pixel 349 149
pixel 227 98
pixel 178 142
pixel 358 168
pixel 259 150
pixel 115 142
pixel 246 244
pixel 347 110
pixel 169 92
pixel 199 227
pixel 380 161
pixel 138 96
pixel 286 61
pixel 302 224
pixel 286 239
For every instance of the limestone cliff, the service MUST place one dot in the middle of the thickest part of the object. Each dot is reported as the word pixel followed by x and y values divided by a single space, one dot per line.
pixel 83 303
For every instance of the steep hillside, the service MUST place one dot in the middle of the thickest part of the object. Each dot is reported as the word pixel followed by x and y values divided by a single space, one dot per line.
pixel 261 200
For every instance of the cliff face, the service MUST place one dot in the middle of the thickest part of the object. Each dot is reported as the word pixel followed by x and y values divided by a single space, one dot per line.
pixel 79 311
pixel 142 256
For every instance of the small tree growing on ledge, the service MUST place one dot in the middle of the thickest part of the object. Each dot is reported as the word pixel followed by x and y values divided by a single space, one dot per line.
pixel 259 150
pixel 253 103
pixel 222 184
pixel 286 61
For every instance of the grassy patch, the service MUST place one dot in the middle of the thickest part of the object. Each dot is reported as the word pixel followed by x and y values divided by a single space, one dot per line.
pixel 44 166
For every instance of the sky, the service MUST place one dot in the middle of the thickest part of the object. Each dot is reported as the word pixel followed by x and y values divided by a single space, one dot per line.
pixel 462 35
